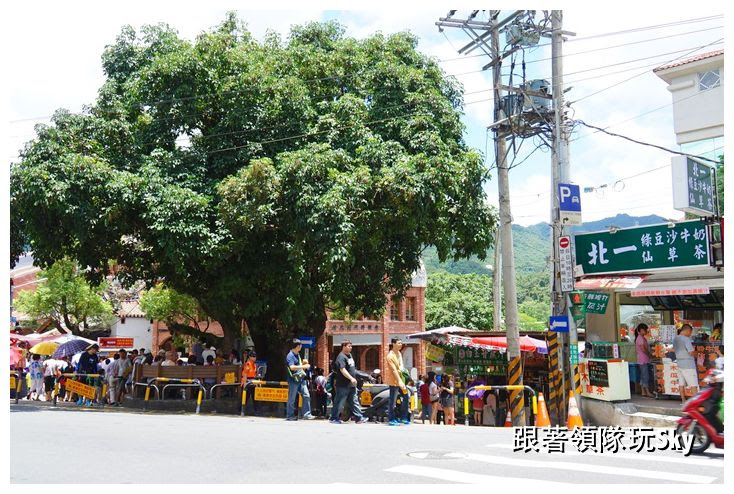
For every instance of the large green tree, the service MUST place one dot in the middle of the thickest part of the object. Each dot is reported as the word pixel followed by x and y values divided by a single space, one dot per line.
pixel 463 300
pixel 65 297
pixel 270 181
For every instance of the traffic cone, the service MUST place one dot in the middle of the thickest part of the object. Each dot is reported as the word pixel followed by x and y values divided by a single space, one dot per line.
pixel 542 419
pixel 508 420
pixel 574 417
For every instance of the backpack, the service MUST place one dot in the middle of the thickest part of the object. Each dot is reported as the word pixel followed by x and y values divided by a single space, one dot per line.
pixel 320 389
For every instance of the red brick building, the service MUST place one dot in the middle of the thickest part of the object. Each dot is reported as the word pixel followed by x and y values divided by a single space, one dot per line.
pixel 370 337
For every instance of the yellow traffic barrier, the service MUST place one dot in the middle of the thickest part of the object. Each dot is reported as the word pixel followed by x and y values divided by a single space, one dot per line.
pixel 466 410
pixel 535 405
pixel 198 401
pixel 16 376
pixel 147 393
pixel 244 400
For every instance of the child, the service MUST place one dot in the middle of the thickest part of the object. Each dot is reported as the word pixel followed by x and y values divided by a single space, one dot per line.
pixel 35 370
pixel 478 406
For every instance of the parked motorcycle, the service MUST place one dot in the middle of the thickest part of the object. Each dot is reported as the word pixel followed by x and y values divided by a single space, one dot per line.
pixel 701 419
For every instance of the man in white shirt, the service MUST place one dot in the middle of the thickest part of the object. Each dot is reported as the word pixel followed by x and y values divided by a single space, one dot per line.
pixel 212 351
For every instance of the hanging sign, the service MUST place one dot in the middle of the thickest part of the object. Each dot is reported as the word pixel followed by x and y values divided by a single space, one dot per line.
pixel 596 302
pixel 646 248
pixel 566 263
pixel 693 186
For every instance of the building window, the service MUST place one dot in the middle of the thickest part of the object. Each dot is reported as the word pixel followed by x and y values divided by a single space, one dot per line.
pixel 395 310
pixel 708 80
pixel 410 309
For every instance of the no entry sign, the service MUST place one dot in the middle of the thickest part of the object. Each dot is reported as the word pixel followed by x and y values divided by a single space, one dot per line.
pixel 566 263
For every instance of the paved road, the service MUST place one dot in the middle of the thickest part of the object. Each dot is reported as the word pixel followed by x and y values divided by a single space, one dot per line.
pixel 153 448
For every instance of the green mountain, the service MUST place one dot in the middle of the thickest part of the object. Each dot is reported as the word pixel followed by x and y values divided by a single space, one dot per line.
pixel 532 246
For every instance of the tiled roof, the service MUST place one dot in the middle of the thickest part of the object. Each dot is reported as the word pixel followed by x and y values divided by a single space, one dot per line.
pixel 702 56
pixel 131 308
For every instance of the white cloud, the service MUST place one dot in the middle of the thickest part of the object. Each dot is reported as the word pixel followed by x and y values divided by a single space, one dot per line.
pixel 56 63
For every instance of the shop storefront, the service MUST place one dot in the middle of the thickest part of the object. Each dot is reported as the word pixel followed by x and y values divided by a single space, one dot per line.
pixel 659 275
pixel 480 357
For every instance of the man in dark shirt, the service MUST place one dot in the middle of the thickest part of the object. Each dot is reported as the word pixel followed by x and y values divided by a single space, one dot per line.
pixel 345 385
pixel 296 383
pixel 88 362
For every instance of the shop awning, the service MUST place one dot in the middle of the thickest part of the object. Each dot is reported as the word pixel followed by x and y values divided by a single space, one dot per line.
pixel 527 344
pixel 627 282
pixel 428 335
pixel 671 287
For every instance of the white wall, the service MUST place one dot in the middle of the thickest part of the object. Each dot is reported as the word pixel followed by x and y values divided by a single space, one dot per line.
pixel 134 327
pixel 697 114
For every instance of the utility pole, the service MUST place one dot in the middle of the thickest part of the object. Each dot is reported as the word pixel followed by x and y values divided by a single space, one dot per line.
pixel 491 29
pixel 496 280
pixel 561 174
pixel 515 370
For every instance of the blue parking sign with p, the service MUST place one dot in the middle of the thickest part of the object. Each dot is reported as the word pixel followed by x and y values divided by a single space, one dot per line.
pixel 569 197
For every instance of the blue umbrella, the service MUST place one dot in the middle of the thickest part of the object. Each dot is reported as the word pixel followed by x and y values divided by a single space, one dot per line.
pixel 70 348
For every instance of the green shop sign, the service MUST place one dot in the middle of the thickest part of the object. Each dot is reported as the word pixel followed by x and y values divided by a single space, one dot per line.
pixel 596 302
pixel 647 248
pixel 477 361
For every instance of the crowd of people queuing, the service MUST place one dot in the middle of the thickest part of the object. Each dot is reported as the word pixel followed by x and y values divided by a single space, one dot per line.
pixel 436 393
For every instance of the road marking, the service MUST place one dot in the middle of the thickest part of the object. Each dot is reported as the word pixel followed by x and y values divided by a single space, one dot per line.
pixel 591 468
pixel 461 477
pixel 683 460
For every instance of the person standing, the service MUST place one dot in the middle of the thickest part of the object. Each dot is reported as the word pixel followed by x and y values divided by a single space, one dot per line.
pixel 447 399
pixel 394 379
pixel 88 362
pixel 35 369
pixel 685 358
pixel 111 373
pixel 297 383
pixel 643 359
pixel 345 385
pixel 123 373
pixel 425 394
pixel 249 373
pixel 321 394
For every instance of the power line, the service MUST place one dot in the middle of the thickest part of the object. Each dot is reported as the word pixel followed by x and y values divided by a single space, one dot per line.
pixel 645 72
pixel 602 35
pixel 645 143
pixel 667 105
pixel 565 55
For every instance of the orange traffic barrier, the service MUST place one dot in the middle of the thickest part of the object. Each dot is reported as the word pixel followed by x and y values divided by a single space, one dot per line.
pixel 574 417
pixel 508 420
pixel 542 419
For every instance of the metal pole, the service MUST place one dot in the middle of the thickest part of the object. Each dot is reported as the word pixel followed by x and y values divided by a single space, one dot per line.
pixel 505 228
pixel 561 174
pixel 496 280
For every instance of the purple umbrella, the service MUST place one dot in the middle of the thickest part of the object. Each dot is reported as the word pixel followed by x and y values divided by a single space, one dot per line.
pixel 70 348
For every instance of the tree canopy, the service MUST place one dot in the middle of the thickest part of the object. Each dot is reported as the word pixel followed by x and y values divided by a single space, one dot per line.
pixel 65 297
pixel 268 180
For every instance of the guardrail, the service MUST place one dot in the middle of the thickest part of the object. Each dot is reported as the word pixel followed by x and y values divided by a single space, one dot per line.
pixel 509 387
pixel 259 383
pixel 221 385
pixel 173 382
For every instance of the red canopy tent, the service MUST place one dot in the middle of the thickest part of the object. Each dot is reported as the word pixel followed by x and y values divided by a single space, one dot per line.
pixel 527 344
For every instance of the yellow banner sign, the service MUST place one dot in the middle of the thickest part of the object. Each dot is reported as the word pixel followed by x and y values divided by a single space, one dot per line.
pixel 434 353
pixel 277 395
pixel 365 398
pixel 81 389
pixel 12 383
pixel 229 378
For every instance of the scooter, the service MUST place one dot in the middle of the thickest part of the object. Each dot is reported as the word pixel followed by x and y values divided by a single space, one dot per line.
pixel 701 419
pixel 380 402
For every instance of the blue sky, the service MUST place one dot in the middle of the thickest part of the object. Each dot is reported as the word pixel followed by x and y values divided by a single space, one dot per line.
pixel 56 63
